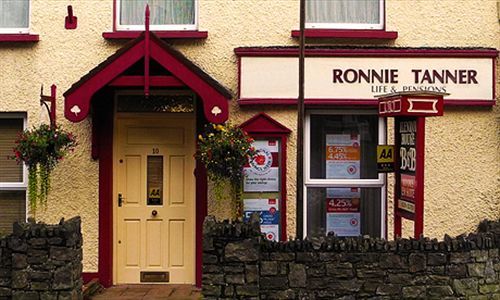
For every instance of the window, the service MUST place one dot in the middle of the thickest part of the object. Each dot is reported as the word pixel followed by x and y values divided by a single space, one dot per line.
pixel 14 16
pixel 345 14
pixel 343 192
pixel 164 14
pixel 12 175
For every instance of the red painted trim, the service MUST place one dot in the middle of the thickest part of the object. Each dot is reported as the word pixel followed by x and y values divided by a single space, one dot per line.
pixel 419 174
pixel 114 16
pixel 360 102
pixel 88 276
pixel 201 213
pixel 154 81
pixel 105 261
pixel 262 123
pixel 368 52
pixel 239 77
pixel 146 53
pixel 347 34
pixel 311 102
pixel 19 38
pixel 456 102
pixel 178 34
pixel 494 70
pixel 397 184
pixel 283 190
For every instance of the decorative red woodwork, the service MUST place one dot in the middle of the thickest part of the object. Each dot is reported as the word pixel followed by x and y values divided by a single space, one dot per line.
pixel 366 52
pixel 411 104
pixel 347 34
pixel 18 38
pixel 52 100
pixel 214 96
pixel 146 53
pixel 264 127
pixel 154 81
pixel 70 22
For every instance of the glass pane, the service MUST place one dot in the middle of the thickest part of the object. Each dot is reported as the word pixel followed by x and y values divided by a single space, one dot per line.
pixel 344 211
pixel 10 170
pixel 14 13
pixel 343 146
pixel 162 12
pixel 12 209
pixel 156 103
pixel 155 180
pixel 343 11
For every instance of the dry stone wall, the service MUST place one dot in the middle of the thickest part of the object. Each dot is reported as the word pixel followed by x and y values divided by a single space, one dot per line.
pixel 238 263
pixel 40 261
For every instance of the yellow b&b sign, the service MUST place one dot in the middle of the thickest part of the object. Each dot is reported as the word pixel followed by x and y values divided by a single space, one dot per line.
pixel 385 158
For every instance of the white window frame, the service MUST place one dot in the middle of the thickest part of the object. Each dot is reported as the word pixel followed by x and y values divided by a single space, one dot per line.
pixel 16 185
pixel 18 30
pixel 166 27
pixel 356 26
pixel 379 182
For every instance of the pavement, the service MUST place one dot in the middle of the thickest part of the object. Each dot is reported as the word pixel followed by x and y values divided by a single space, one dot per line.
pixel 150 291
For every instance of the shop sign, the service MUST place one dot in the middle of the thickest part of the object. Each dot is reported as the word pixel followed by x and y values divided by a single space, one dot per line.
pixel 268 210
pixel 362 78
pixel 262 172
pixel 385 158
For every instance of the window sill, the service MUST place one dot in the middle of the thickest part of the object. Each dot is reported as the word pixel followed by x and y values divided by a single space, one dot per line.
pixel 347 34
pixel 178 34
pixel 19 38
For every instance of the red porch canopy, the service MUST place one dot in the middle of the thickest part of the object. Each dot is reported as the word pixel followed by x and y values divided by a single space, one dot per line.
pixel 180 72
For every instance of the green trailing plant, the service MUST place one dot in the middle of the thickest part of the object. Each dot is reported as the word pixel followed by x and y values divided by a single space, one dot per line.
pixel 224 149
pixel 41 148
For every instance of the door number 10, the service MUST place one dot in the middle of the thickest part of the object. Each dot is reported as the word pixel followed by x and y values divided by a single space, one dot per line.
pixel 156 150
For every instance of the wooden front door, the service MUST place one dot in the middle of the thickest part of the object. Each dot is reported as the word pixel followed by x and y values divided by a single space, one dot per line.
pixel 154 192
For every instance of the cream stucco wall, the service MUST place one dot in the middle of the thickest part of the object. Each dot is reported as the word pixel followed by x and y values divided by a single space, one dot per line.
pixel 462 154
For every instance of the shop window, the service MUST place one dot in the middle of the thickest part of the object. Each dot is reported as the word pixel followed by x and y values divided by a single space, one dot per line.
pixel 344 194
pixel 345 14
pixel 12 174
pixel 164 14
pixel 14 16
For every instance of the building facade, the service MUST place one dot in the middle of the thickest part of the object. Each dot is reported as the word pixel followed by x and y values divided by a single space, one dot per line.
pixel 206 62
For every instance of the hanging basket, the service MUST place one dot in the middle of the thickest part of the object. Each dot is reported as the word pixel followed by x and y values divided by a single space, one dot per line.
pixel 41 148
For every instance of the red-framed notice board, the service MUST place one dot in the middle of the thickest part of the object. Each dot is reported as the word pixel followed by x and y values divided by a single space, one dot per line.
pixel 264 184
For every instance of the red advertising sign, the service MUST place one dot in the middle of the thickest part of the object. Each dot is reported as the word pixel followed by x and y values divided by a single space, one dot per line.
pixel 409 172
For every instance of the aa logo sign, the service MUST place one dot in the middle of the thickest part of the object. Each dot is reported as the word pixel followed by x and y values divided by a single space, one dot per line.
pixel 385 158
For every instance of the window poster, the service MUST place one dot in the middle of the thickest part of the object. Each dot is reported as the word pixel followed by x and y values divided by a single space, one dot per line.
pixel 343 216
pixel 262 172
pixel 342 156
pixel 269 215
pixel 343 204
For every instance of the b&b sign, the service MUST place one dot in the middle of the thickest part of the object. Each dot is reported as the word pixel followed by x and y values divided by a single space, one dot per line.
pixel 385 158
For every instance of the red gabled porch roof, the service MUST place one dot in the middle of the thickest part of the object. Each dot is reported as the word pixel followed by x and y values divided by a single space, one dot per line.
pixel 77 99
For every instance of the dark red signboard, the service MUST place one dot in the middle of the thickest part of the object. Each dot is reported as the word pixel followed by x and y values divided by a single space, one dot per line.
pixel 409 172
pixel 409 110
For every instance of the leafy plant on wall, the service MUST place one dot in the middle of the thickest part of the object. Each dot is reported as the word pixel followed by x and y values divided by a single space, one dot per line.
pixel 224 149
pixel 41 148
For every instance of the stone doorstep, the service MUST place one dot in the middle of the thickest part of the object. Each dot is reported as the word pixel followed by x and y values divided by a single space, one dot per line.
pixel 150 291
